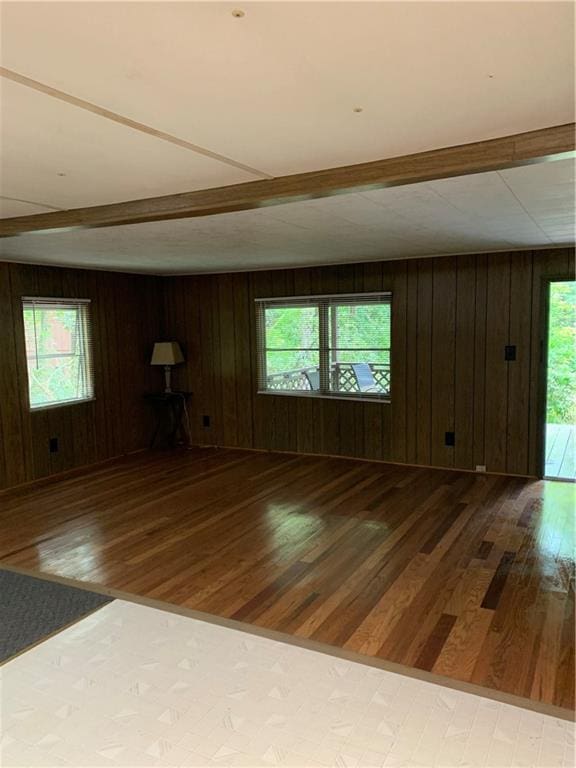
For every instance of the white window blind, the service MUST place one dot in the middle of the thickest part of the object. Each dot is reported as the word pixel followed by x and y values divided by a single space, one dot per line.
pixel 58 338
pixel 325 346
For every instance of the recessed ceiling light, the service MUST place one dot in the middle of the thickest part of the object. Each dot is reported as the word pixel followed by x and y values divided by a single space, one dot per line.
pixel 238 13
pixel 358 109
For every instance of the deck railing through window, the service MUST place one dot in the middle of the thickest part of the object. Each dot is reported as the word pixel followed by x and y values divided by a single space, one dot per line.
pixel 343 378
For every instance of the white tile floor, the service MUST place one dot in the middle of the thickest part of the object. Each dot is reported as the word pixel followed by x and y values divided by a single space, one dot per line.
pixel 136 686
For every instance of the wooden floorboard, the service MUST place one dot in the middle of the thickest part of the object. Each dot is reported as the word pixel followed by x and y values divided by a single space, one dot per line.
pixel 560 451
pixel 468 576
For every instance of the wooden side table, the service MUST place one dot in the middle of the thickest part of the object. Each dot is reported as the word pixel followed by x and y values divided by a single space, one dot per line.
pixel 171 416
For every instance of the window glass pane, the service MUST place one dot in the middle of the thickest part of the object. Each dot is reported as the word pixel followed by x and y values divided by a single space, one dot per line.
pixel 57 353
pixel 360 356
pixel 360 326
pixel 55 379
pixel 292 370
pixel 360 348
pixel 291 348
pixel 291 327
pixel 56 331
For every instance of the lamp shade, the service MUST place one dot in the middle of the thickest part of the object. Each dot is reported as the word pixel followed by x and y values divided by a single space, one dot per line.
pixel 166 353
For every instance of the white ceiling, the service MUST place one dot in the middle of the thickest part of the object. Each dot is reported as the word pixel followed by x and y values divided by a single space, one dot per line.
pixel 275 91
pixel 518 208
pixel 103 161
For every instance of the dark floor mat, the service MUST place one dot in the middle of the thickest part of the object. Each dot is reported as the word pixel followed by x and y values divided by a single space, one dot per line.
pixel 31 609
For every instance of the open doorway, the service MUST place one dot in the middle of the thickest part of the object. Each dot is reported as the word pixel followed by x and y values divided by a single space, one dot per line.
pixel 560 434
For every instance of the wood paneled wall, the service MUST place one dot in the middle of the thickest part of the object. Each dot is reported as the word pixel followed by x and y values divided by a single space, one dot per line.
pixel 452 318
pixel 126 312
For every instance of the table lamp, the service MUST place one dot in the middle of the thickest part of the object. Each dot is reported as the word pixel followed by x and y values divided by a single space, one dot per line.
pixel 167 353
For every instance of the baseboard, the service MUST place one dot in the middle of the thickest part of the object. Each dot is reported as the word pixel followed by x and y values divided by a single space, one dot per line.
pixel 370 460
pixel 75 471
pixel 39 482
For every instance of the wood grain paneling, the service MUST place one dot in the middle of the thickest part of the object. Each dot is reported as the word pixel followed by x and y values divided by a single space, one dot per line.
pixel 497 334
pixel 411 362
pixel 464 361
pixel 423 402
pixel 13 469
pixel 480 310
pixel 451 319
pixel 443 360
pixel 519 333
pixel 126 320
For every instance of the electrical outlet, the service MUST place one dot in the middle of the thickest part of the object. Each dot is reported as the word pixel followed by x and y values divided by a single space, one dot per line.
pixel 510 353
pixel 449 439
pixel 480 467
pixel 53 445
pixel 205 421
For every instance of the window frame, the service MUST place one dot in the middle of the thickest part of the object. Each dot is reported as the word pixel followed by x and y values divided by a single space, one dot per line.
pixel 87 347
pixel 323 302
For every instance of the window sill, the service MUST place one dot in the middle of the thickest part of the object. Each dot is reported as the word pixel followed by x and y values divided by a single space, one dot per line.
pixel 367 398
pixel 63 404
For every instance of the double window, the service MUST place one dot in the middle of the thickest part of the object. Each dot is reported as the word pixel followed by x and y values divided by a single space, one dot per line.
pixel 325 346
pixel 58 351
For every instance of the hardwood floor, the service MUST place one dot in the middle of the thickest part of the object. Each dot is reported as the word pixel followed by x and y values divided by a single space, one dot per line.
pixel 470 576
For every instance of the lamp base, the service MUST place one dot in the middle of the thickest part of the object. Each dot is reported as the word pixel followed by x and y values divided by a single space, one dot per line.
pixel 167 377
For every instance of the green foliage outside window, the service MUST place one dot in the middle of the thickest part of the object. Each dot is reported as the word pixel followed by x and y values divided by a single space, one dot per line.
pixel 361 333
pixel 561 402
pixel 291 338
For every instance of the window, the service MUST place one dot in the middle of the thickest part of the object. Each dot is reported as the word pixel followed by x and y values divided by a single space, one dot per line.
pixel 58 351
pixel 325 346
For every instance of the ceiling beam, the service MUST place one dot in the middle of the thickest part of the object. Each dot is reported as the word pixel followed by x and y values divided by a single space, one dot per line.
pixel 544 145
